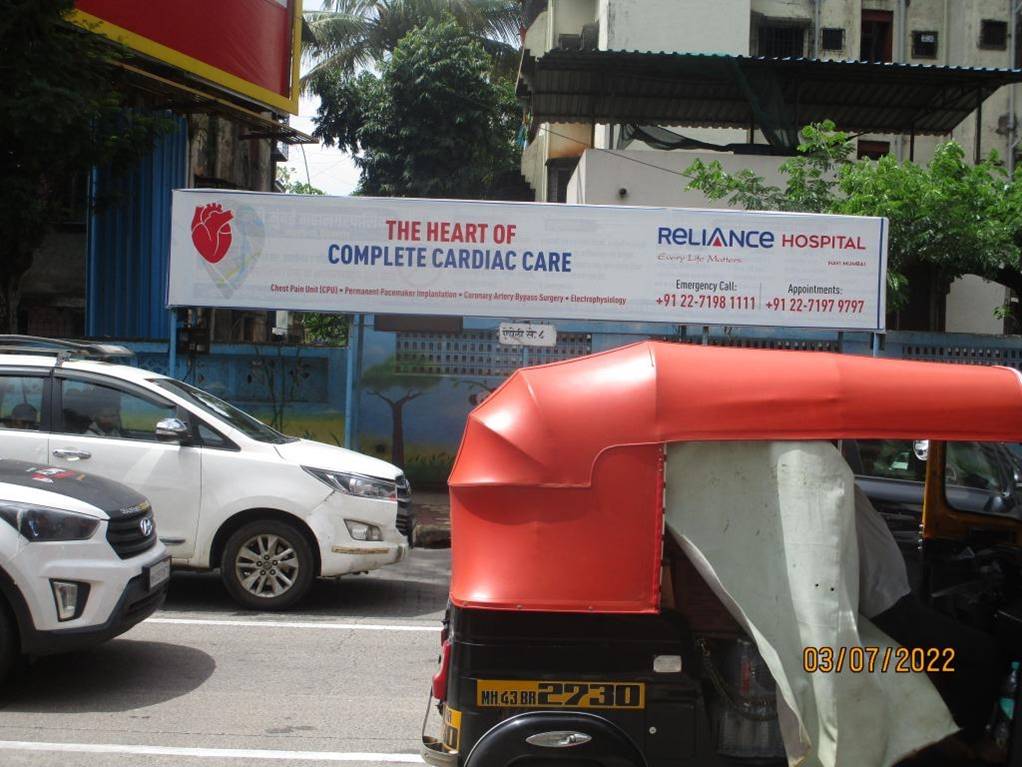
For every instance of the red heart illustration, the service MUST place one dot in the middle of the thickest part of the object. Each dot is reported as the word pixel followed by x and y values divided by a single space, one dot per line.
pixel 211 231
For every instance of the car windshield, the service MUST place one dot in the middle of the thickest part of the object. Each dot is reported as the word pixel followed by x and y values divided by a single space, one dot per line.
pixel 239 419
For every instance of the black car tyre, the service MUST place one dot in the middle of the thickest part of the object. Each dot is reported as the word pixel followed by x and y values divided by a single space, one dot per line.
pixel 8 642
pixel 267 565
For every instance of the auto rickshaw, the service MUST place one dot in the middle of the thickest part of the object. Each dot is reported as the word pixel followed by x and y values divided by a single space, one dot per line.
pixel 584 631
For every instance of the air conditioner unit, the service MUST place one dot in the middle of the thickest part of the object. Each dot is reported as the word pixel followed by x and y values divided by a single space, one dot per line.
pixel 569 42
pixel 591 36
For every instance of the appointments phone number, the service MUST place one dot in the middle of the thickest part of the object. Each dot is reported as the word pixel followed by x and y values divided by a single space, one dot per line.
pixel 749 303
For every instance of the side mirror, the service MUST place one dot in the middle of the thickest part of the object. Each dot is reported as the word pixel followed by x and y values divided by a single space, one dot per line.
pixel 921 448
pixel 172 430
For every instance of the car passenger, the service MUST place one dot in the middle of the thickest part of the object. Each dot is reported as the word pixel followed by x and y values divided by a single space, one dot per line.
pixel 23 416
pixel 106 417
pixel 887 600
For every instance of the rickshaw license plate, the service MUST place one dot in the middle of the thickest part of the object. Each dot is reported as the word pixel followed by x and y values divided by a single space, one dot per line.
pixel 503 693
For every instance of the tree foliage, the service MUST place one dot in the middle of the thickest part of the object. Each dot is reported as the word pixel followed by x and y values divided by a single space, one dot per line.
pixel 433 123
pixel 288 182
pixel 354 34
pixel 64 108
pixel 956 217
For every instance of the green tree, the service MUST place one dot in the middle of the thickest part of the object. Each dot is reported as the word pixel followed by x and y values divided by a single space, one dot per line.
pixel 397 389
pixel 433 123
pixel 64 102
pixel 288 182
pixel 354 34
pixel 956 217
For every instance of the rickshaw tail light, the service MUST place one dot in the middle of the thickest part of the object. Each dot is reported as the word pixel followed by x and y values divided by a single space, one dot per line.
pixel 440 678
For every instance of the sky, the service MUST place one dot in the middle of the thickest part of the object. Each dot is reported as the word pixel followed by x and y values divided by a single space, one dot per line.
pixel 329 169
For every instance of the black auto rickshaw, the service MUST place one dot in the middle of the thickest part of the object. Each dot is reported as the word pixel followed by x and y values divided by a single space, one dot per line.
pixel 584 631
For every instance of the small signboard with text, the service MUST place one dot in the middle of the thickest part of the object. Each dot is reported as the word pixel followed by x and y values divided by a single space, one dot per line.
pixel 542 261
pixel 526 334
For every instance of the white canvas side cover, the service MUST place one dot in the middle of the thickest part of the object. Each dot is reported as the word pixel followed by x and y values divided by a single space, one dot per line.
pixel 771 527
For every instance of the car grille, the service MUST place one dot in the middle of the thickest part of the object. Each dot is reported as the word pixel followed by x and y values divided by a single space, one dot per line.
pixel 404 506
pixel 125 533
pixel 404 518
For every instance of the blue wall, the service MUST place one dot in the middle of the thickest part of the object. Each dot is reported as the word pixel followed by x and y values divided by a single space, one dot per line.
pixel 434 420
pixel 129 243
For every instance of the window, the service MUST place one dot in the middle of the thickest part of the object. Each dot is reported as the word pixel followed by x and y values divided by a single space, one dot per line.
pixel 224 411
pixel 21 402
pixel 102 411
pixel 832 39
pixel 874 150
pixel 211 438
pixel 877 40
pixel 993 35
pixel 559 172
pixel 889 459
pixel 924 45
pixel 778 42
pixel 982 477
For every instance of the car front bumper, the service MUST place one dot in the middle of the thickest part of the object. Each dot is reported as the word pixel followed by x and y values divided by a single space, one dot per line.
pixel 137 602
pixel 339 553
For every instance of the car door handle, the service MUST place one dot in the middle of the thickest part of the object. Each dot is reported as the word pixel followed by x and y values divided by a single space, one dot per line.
pixel 70 454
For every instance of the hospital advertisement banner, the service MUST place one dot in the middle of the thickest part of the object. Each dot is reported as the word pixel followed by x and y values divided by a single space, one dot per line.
pixel 526 260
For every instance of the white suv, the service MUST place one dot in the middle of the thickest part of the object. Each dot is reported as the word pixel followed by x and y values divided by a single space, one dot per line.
pixel 271 511
pixel 79 560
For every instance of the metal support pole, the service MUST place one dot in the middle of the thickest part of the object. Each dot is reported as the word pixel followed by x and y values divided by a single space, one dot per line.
pixel 875 344
pixel 351 383
pixel 172 346
pixel 1013 132
pixel 979 128
pixel 912 145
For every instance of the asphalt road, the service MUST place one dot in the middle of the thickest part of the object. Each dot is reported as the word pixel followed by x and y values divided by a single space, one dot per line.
pixel 342 679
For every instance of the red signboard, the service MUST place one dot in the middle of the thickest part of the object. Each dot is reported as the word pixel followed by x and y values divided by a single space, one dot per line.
pixel 248 47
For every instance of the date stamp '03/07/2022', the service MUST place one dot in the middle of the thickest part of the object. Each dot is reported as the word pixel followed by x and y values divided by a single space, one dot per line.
pixel 901 660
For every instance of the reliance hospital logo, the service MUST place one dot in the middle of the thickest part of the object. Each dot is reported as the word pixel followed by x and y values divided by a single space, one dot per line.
pixel 229 242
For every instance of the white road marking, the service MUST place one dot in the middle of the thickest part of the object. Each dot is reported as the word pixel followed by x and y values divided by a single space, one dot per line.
pixel 292 624
pixel 208 753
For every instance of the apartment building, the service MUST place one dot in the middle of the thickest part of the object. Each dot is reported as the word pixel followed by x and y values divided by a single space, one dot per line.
pixel 615 163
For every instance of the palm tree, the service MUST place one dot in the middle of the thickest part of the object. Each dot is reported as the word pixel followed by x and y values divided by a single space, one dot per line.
pixel 353 34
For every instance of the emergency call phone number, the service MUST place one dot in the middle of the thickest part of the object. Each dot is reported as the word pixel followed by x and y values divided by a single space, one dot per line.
pixel 749 303
pixel 901 660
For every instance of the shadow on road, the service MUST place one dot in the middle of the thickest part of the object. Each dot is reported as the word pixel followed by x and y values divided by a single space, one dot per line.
pixel 415 588
pixel 120 675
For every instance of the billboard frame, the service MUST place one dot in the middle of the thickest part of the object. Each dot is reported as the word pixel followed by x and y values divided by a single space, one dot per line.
pixel 220 79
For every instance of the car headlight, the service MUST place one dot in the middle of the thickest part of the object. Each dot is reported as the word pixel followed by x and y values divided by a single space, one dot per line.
pixel 356 484
pixel 41 523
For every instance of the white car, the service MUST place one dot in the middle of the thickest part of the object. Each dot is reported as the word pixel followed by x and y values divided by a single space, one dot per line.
pixel 271 511
pixel 79 560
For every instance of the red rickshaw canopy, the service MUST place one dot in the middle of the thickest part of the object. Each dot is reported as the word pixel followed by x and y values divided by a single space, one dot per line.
pixel 557 489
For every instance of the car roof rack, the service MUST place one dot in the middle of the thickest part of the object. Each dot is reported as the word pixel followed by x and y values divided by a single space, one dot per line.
pixel 63 349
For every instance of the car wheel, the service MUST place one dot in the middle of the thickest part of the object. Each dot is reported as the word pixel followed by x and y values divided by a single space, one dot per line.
pixel 267 565
pixel 8 643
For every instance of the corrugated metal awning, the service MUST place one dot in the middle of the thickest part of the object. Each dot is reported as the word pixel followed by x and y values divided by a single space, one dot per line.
pixel 717 91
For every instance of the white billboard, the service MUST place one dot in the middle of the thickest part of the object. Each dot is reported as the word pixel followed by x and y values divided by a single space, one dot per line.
pixel 528 260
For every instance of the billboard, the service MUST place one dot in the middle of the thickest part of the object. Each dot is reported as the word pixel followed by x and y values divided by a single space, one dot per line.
pixel 527 260
pixel 249 47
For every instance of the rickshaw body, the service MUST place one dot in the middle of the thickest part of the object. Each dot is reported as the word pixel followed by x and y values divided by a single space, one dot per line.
pixel 578 635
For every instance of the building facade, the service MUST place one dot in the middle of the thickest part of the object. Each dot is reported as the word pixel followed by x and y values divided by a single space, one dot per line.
pixel 598 164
